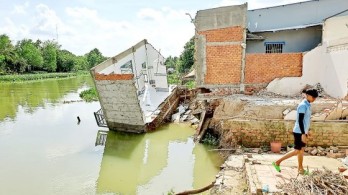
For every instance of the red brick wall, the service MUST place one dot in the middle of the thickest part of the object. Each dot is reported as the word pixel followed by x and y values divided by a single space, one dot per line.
pixel 263 68
pixel 258 133
pixel 223 61
pixel 229 34
pixel 223 64
pixel 113 76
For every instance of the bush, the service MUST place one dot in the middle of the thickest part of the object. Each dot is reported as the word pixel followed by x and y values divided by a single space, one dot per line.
pixel 210 139
pixel 89 95
pixel 35 76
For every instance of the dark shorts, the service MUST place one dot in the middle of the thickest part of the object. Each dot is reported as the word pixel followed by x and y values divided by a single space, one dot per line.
pixel 298 141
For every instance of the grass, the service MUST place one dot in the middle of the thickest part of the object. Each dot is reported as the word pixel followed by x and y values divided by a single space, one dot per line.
pixel 174 79
pixel 210 139
pixel 89 95
pixel 38 76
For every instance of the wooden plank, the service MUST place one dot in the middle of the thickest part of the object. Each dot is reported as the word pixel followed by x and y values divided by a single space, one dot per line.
pixel 198 130
pixel 204 129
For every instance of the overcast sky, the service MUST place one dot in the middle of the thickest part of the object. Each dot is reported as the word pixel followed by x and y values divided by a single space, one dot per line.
pixel 110 25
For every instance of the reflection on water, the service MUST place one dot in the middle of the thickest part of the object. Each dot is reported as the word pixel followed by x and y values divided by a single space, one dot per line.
pixel 155 163
pixel 43 149
pixel 33 95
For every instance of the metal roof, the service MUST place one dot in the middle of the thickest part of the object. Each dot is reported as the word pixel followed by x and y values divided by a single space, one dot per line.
pixel 293 16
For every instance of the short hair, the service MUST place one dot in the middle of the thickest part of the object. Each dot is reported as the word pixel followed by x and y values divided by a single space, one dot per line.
pixel 312 92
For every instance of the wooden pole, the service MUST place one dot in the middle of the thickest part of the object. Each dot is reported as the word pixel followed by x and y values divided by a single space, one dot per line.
pixel 198 190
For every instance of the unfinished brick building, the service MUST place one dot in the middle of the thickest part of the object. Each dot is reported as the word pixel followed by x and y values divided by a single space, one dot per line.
pixel 240 50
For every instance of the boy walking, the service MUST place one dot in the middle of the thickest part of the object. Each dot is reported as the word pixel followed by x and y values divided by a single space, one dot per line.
pixel 300 131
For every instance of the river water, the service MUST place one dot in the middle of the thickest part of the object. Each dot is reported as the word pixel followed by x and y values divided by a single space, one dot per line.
pixel 44 150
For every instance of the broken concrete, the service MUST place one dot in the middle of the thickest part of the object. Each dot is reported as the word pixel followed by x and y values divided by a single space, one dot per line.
pixel 292 115
pixel 264 174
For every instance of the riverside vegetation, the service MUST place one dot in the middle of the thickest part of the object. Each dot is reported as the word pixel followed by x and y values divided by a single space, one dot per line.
pixel 29 57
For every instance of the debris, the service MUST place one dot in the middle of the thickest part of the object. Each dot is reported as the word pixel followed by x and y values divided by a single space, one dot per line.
pixel 176 117
pixel 194 120
pixel 181 109
pixel 183 118
pixel 255 162
pixel 318 182
pixel 342 169
pixel 314 152
pixel 286 111
pixel 188 112
pixel 345 161
pixel 291 115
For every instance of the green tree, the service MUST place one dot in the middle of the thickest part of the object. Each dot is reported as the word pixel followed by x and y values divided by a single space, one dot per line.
pixel 171 62
pixel 94 57
pixel 80 63
pixel 49 53
pixel 186 59
pixel 30 54
pixel 7 54
pixel 65 61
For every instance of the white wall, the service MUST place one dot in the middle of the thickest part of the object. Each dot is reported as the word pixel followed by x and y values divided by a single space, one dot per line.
pixel 148 54
pixel 336 29
pixel 326 64
pixel 156 60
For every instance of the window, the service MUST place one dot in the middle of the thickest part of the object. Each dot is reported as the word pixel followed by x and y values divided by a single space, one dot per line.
pixel 274 47
pixel 143 65
pixel 127 68
pixel 153 83
pixel 145 78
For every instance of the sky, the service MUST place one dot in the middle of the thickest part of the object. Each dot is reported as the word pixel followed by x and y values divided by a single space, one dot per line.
pixel 110 25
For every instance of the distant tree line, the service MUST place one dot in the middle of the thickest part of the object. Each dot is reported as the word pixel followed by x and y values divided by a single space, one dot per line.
pixel 183 63
pixel 30 56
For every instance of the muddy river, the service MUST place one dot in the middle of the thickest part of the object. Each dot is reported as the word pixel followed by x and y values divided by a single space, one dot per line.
pixel 44 150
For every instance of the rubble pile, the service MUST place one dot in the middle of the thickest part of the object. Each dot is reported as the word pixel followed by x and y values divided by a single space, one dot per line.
pixel 318 182
pixel 265 93
pixel 337 112
pixel 188 113
pixel 318 87
pixel 331 152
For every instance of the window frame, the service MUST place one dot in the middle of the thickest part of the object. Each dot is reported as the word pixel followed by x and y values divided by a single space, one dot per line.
pixel 127 70
pixel 274 46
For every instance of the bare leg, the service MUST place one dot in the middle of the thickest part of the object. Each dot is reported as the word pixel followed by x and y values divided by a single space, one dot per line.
pixel 288 155
pixel 300 159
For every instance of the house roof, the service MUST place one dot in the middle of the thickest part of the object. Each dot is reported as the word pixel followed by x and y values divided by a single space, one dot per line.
pixel 192 74
pixel 297 15
pixel 293 27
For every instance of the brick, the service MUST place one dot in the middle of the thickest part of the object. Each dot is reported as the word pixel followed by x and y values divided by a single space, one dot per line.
pixel 263 68
pixel 114 76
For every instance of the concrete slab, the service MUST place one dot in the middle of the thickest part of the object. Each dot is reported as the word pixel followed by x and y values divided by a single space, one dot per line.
pixel 262 175
pixel 151 101
pixel 336 112
pixel 291 116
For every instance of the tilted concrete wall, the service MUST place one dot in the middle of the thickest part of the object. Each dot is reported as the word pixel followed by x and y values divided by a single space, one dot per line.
pixel 220 35
pixel 261 133
pixel 119 101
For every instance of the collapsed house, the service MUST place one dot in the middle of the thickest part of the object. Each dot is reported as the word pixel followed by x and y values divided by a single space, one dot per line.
pixel 133 90
pixel 283 47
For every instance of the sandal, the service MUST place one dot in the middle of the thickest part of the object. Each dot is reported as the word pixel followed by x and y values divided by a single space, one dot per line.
pixel 277 167
pixel 303 172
